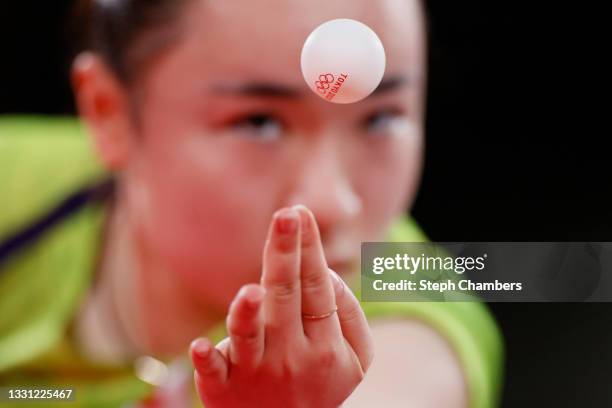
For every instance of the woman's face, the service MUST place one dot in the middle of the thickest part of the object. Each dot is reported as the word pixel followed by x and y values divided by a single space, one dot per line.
pixel 229 133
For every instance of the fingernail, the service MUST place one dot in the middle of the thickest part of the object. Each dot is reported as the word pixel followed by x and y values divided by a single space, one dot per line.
pixel 200 347
pixel 287 221
pixel 304 218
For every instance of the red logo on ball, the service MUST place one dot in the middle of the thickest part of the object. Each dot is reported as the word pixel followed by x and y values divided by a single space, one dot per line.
pixel 324 82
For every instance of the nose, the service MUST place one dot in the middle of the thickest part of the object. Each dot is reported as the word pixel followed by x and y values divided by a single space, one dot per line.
pixel 325 187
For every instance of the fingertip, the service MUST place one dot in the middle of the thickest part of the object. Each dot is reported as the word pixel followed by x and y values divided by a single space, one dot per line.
pixel 200 349
pixel 284 233
pixel 286 221
pixel 306 215
pixel 251 295
pixel 254 295
pixel 306 222
pixel 302 210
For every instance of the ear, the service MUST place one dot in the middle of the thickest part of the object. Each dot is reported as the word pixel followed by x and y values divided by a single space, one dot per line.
pixel 103 104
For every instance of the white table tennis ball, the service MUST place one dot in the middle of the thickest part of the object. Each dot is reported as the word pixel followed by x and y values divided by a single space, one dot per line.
pixel 343 61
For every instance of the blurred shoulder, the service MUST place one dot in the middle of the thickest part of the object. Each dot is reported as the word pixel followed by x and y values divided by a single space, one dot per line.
pixel 414 366
pixel 42 159
pixel 406 229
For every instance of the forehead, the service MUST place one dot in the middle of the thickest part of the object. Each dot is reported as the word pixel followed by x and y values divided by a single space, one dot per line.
pixel 263 38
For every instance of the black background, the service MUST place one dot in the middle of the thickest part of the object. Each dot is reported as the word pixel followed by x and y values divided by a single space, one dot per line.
pixel 517 151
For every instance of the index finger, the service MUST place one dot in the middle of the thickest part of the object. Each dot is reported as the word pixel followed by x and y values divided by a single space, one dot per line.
pixel 281 275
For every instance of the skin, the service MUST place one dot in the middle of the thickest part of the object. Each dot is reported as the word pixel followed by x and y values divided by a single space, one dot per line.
pixel 204 160
pixel 273 357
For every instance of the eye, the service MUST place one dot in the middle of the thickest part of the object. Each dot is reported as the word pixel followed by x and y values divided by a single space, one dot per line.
pixel 383 122
pixel 263 127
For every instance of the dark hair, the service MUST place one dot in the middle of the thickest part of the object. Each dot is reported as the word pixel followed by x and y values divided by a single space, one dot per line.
pixel 127 33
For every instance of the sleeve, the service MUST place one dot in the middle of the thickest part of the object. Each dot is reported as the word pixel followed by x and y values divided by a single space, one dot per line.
pixel 469 328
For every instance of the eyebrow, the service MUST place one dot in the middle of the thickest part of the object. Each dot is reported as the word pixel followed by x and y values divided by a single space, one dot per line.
pixel 277 90
pixel 390 83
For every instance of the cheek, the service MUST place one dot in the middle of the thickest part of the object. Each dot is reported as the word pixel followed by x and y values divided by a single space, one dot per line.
pixel 389 183
pixel 207 213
